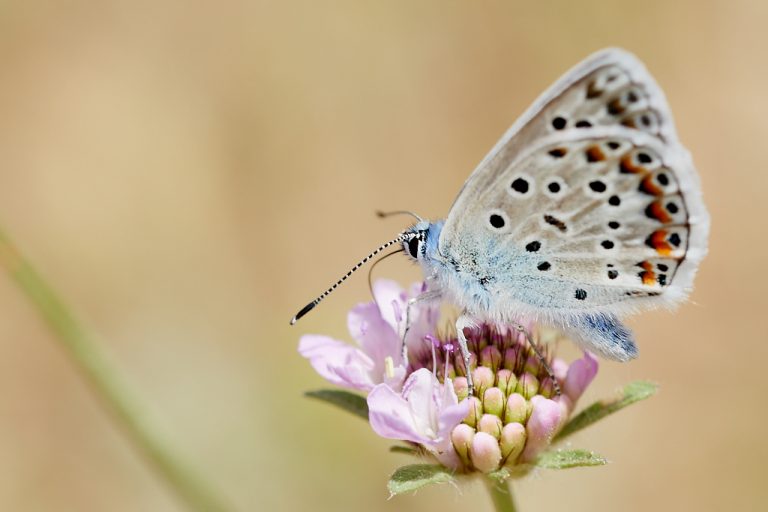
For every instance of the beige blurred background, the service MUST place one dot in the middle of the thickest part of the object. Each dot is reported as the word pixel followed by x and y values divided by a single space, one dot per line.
pixel 188 175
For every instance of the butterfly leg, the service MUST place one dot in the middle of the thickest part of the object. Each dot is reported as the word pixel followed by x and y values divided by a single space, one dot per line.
pixel 462 322
pixel 424 297
pixel 540 356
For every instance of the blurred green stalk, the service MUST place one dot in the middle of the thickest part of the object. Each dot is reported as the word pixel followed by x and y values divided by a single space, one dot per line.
pixel 124 407
pixel 501 495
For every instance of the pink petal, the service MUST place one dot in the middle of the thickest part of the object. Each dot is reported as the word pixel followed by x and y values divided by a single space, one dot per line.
pixel 452 412
pixel 393 302
pixel 390 415
pixel 337 362
pixel 560 369
pixel 385 291
pixel 542 425
pixel 449 458
pixel 419 391
pixel 580 375
pixel 374 334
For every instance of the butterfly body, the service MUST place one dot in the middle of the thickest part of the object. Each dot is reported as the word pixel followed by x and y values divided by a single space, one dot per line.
pixel 588 209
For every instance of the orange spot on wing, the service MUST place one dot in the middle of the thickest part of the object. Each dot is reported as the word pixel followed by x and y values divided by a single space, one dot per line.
pixel 647 275
pixel 595 154
pixel 593 91
pixel 615 107
pixel 649 187
pixel 629 122
pixel 629 167
pixel 658 241
pixel 657 211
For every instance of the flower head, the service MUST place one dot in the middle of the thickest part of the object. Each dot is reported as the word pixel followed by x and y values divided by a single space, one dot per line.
pixel 511 416
pixel 514 411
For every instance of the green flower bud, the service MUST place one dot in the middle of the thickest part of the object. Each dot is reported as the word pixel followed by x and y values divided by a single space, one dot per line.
pixel 461 437
pixel 475 411
pixel 511 357
pixel 490 356
pixel 506 381
pixel 528 385
pixel 532 365
pixel 516 410
pixel 493 401
pixel 512 442
pixel 485 452
pixel 460 387
pixel 483 378
pixel 547 388
pixel 490 424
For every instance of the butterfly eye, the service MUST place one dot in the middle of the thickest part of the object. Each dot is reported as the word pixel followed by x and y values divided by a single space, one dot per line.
pixel 414 246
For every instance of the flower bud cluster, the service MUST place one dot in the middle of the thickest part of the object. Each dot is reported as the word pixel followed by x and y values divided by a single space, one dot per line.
pixel 514 410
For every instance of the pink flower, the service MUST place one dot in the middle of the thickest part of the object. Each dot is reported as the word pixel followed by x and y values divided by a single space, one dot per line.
pixel 378 328
pixel 511 417
pixel 425 412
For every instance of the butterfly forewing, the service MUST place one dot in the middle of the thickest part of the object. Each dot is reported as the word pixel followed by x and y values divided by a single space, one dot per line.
pixel 589 201
pixel 610 88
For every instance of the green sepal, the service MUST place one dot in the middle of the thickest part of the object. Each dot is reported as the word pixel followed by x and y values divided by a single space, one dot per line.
pixel 403 449
pixel 565 459
pixel 415 476
pixel 350 402
pixel 631 393
pixel 500 475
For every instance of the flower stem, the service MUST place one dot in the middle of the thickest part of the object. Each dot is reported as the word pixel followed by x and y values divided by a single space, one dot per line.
pixel 501 495
pixel 122 405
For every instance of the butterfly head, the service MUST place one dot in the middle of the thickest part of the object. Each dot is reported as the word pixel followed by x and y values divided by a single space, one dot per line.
pixel 420 240
pixel 415 239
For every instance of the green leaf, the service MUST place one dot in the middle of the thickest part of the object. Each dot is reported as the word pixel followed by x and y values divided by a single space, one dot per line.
pixel 631 393
pixel 350 402
pixel 415 476
pixel 403 449
pixel 564 459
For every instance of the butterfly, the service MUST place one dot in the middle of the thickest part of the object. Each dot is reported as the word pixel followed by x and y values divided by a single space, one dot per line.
pixel 587 210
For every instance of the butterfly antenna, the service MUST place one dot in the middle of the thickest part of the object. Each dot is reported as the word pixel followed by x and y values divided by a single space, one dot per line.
pixel 384 215
pixel 309 307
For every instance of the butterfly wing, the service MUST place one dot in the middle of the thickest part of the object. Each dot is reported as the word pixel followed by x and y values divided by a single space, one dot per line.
pixel 588 204
pixel 609 88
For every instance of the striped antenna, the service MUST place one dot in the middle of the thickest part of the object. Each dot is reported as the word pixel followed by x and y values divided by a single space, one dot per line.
pixel 309 307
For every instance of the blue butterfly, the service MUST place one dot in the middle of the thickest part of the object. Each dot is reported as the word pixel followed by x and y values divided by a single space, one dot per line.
pixel 588 209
